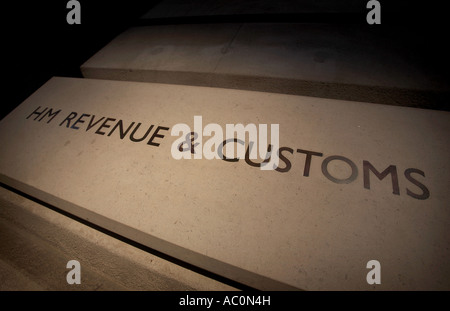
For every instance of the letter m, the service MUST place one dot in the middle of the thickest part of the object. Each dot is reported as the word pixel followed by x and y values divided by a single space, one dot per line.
pixel 367 167
pixel 240 130
pixel 41 114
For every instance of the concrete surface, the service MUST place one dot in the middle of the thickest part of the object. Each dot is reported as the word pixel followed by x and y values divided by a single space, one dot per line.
pixel 265 229
pixel 331 61
pixel 36 243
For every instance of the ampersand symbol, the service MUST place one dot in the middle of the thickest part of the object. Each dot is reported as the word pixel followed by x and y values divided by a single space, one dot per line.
pixel 190 138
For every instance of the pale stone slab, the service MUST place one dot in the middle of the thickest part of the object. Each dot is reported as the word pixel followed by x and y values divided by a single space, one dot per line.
pixel 332 61
pixel 49 239
pixel 266 229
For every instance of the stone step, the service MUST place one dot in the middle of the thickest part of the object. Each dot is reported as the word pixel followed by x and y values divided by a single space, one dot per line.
pixel 36 243
pixel 355 182
pixel 320 60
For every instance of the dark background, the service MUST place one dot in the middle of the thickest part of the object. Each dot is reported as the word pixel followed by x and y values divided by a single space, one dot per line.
pixel 38 43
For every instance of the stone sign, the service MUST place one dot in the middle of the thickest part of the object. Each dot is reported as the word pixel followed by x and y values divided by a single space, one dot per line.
pixel 352 182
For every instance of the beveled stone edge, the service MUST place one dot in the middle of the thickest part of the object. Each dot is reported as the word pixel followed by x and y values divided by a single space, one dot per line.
pixel 392 96
pixel 193 258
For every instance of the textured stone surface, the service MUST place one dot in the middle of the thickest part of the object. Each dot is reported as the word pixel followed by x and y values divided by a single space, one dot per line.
pixel 332 61
pixel 36 243
pixel 267 229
